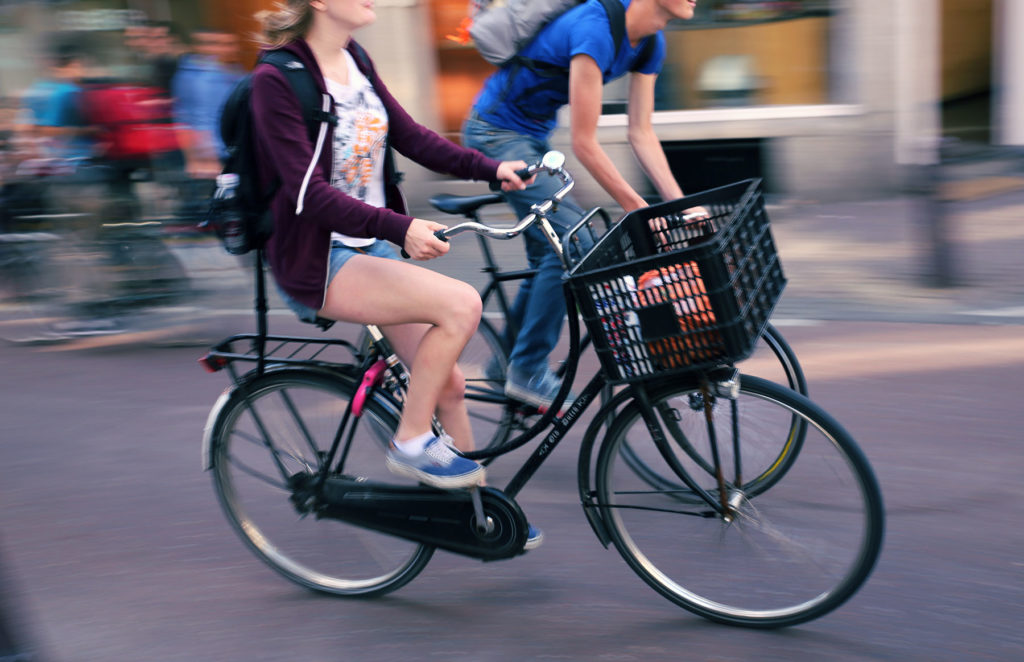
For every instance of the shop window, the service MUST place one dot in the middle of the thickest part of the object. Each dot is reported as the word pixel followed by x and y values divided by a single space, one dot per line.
pixel 744 53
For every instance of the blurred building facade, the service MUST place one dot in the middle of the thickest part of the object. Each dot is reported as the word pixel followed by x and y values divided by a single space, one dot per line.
pixel 825 99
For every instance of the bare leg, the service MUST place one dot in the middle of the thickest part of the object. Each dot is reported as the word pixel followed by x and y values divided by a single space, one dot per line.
pixel 370 290
pixel 451 405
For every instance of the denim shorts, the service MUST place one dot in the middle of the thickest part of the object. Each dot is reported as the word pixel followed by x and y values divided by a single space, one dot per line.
pixel 340 254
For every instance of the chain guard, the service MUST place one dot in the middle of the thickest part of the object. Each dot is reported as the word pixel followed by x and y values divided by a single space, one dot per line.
pixel 440 518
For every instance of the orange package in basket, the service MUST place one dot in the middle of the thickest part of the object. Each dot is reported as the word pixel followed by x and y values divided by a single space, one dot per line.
pixel 682 285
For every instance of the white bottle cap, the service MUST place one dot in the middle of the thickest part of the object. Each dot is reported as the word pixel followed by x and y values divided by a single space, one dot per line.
pixel 227 180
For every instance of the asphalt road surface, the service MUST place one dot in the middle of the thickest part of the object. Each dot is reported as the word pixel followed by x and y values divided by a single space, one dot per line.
pixel 116 549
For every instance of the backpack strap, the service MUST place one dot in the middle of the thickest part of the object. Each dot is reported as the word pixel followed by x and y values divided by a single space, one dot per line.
pixel 305 89
pixel 392 175
pixel 616 20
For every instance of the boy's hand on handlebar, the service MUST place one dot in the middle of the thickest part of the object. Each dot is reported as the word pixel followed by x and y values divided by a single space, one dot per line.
pixel 510 179
pixel 420 242
pixel 659 225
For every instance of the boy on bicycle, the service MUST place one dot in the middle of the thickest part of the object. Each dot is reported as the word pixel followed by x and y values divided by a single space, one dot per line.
pixel 514 116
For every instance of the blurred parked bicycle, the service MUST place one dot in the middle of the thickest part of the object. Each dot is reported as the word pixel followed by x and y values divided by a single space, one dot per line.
pixel 65 270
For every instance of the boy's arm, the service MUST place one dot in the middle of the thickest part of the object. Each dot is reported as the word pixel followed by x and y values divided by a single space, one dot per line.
pixel 644 141
pixel 585 88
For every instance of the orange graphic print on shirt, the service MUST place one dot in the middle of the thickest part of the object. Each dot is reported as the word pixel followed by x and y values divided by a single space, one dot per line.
pixel 359 140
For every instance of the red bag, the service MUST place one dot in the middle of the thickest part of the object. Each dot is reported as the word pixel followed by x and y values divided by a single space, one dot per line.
pixel 134 121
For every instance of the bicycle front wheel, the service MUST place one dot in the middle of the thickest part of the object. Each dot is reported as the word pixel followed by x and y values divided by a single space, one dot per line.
pixel 772 359
pixel 280 426
pixel 788 550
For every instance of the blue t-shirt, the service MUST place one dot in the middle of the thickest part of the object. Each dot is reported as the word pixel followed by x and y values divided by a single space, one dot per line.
pixel 521 99
pixel 54 103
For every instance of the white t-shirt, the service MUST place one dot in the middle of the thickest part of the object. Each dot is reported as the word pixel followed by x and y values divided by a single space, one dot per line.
pixel 358 143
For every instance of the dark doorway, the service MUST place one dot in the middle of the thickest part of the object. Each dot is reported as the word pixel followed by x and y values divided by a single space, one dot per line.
pixel 706 164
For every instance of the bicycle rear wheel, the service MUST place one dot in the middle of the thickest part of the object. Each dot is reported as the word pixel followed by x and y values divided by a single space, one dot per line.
pixel 800 540
pixel 279 426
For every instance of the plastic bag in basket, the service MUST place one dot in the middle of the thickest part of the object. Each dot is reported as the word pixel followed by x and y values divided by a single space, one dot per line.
pixel 683 286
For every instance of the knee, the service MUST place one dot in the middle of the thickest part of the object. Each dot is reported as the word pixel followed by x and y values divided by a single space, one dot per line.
pixel 464 309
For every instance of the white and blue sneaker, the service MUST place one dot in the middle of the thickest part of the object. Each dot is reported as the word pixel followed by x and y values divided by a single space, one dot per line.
pixel 538 389
pixel 534 538
pixel 438 466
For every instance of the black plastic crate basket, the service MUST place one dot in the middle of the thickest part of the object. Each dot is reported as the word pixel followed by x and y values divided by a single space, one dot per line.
pixel 665 293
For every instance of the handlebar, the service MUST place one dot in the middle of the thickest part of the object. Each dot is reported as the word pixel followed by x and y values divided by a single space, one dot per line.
pixel 553 163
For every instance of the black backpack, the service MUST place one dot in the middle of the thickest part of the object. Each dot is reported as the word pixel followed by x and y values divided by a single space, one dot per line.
pixel 236 130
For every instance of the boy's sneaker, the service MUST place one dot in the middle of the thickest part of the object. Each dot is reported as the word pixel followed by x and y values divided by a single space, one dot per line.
pixel 538 389
pixel 438 466
pixel 534 538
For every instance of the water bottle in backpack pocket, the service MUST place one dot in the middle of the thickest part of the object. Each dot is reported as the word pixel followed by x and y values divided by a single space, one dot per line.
pixel 226 217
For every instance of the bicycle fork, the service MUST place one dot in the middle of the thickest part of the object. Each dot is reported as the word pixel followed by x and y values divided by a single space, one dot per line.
pixel 723 383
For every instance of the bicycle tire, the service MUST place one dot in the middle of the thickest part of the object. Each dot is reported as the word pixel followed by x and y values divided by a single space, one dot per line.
pixel 793 376
pixel 795 550
pixel 297 412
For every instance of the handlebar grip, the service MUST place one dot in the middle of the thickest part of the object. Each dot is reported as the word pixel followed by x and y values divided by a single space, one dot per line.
pixel 437 233
pixel 522 173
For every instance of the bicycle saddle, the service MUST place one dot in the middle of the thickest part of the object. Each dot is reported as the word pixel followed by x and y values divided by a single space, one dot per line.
pixel 464 204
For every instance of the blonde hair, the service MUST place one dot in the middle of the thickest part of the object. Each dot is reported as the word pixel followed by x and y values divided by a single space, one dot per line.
pixel 289 21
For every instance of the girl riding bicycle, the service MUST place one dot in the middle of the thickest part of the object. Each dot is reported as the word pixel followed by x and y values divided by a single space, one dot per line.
pixel 337 200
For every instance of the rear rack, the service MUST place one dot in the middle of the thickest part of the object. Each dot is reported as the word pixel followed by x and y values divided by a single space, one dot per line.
pixel 262 348
pixel 279 350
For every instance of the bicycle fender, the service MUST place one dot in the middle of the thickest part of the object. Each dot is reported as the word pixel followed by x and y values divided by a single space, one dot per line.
pixel 211 420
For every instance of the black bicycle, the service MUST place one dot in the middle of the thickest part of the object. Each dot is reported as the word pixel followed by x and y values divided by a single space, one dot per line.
pixel 739 533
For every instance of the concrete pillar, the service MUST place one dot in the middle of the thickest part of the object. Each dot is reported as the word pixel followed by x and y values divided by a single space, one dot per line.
pixel 918 86
pixel 1008 74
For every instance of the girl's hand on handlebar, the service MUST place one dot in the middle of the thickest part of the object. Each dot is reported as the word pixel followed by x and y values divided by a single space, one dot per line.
pixel 510 181
pixel 420 242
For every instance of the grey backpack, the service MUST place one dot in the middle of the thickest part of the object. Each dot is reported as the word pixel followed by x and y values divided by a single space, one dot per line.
pixel 502 28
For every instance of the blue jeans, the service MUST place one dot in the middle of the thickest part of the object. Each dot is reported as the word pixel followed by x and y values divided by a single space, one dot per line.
pixel 539 307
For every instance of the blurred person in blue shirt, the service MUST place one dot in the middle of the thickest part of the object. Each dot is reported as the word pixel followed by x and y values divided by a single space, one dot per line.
pixel 52 113
pixel 200 87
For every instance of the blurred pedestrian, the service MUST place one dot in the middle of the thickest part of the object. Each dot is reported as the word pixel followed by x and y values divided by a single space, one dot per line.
pixel 52 107
pixel 134 121
pixel 201 85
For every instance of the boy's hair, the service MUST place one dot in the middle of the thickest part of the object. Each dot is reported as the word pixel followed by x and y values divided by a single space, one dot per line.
pixel 64 52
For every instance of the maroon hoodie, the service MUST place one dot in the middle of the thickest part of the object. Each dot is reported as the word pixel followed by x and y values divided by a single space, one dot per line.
pixel 306 208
